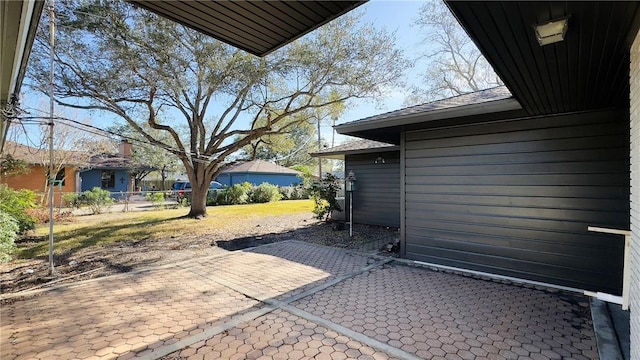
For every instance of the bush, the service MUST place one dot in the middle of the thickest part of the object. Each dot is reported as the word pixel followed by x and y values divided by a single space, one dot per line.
pixel 235 195
pixel 294 193
pixel 97 199
pixel 323 193
pixel 265 193
pixel 8 233
pixel 156 198
pixel 16 203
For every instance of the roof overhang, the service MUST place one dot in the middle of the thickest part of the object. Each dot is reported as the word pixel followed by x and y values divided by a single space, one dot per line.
pixel 19 19
pixel 588 70
pixel 387 127
pixel 258 27
pixel 355 148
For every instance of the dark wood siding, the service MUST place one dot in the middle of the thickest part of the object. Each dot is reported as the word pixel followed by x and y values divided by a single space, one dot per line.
pixel 377 199
pixel 516 197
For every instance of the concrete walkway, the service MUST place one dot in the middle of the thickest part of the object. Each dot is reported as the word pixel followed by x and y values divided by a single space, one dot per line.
pixel 294 300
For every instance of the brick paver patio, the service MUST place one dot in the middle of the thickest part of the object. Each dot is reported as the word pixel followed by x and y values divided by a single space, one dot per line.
pixel 293 300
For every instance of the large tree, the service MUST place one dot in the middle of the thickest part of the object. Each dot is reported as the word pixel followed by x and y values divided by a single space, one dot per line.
pixel 453 64
pixel 116 58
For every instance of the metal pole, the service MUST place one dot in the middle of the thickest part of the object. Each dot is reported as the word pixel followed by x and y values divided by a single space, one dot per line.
pixel 52 175
pixel 319 149
pixel 350 213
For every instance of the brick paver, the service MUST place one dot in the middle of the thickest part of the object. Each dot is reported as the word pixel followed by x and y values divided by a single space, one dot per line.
pixel 432 314
pixel 295 300
pixel 279 335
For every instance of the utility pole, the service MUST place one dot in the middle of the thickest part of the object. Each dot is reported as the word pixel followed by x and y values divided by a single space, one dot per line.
pixel 52 175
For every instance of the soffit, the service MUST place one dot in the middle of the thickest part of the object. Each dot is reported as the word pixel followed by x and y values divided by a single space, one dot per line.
pixel 588 70
pixel 258 27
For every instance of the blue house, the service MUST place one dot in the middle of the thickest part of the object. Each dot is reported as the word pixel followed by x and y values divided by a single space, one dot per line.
pixel 115 173
pixel 257 172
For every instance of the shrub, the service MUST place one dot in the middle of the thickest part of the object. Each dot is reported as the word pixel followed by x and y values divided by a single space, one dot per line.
pixel 8 233
pixel 74 200
pixel 97 199
pixel 16 203
pixel 265 193
pixel 235 195
pixel 156 198
pixel 323 193
pixel 294 193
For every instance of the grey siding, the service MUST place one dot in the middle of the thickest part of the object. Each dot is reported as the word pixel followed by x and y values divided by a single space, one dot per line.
pixel 634 296
pixel 515 198
pixel 377 199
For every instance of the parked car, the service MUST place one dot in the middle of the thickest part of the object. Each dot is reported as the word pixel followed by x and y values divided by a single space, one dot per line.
pixel 179 188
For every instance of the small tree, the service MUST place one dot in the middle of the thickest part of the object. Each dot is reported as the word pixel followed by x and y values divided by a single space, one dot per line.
pixel 323 193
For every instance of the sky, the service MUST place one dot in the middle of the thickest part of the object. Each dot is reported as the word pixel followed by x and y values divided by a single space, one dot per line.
pixel 393 15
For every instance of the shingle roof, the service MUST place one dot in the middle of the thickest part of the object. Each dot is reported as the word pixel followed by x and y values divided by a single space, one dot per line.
pixel 258 166
pixel 360 146
pixel 34 155
pixel 474 98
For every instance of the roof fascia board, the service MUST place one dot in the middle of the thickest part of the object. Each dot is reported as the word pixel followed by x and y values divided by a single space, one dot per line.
pixel 331 154
pixel 459 111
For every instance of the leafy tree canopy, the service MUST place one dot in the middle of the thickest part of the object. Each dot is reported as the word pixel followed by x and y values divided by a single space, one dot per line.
pixel 116 58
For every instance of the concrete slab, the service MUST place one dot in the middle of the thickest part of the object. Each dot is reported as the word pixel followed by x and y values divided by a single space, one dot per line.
pixel 292 300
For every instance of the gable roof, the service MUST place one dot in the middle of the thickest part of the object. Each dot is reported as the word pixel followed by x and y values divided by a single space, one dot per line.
pixel 361 146
pixel 257 166
pixel 258 27
pixel 387 127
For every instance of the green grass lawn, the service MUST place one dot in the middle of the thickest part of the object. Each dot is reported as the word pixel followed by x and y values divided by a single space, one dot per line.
pixel 109 228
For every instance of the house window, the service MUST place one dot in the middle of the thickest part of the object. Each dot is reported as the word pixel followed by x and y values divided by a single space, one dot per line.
pixel 108 179
pixel 60 177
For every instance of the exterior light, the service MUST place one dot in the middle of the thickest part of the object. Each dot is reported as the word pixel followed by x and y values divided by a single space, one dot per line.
pixel 551 32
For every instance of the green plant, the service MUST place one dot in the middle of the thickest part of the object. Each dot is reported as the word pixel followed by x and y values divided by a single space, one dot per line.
pixel 323 193
pixel 16 203
pixel 97 199
pixel 294 192
pixel 235 195
pixel 266 193
pixel 156 198
pixel 8 233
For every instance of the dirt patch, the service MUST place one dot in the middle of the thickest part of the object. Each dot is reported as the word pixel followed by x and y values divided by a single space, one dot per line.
pixel 126 256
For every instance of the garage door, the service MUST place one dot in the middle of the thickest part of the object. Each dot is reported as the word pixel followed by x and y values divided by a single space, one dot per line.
pixel 515 198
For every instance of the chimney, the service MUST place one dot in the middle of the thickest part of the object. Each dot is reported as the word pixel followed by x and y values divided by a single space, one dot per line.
pixel 125 149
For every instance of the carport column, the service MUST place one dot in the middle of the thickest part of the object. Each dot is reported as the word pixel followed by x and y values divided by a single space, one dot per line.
pixel 635 198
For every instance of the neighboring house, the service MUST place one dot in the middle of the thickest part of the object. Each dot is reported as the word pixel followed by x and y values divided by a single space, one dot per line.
pixel 257 172
pixel 376 166
pixel 38 162
pixel 115 173
pixel 507 181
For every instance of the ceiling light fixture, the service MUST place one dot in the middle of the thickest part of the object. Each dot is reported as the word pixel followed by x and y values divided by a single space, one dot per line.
pixel 551 32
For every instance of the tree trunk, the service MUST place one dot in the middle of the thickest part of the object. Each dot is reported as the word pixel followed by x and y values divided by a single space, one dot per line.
pixel 199 200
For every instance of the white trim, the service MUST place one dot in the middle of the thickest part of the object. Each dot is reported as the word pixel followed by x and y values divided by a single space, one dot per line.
pixel 626 264
pixel 598 295
pixel 25 24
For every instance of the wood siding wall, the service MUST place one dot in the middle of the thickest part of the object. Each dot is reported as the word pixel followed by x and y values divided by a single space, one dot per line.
pixel 515 198
pixel 377 199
